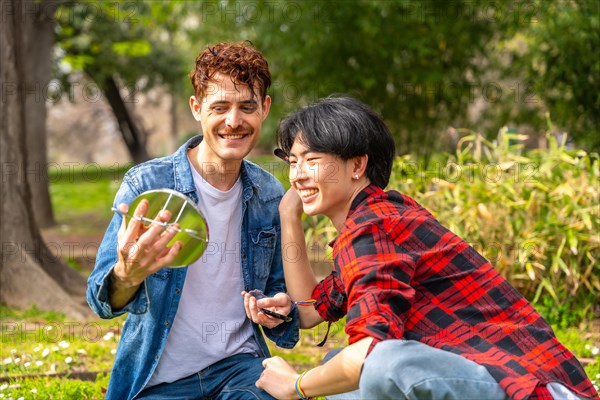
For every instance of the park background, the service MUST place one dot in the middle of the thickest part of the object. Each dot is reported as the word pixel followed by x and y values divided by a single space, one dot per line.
pixel 495 108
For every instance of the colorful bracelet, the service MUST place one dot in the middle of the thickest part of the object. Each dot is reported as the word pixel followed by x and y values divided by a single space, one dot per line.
pixel 309 302
pixel 299 390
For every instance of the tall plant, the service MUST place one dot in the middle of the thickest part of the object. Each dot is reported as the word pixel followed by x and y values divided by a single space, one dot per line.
pixel 533 214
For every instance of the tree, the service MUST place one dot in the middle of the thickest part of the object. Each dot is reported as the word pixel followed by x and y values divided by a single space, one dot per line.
pixel 557 55
pixel 120 46
pixel 38 47
pixel 427 65
pixel 413 62
pixel 29 273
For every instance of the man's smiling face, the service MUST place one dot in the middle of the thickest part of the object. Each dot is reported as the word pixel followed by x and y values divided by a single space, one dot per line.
pixel 231 118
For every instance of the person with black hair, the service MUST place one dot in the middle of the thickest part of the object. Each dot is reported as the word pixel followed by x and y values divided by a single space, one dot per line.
pixel 427 316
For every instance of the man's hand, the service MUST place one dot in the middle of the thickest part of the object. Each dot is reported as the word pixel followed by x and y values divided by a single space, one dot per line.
pixel 280 303
pixel 291 204
pixel 142 251
pixel 278 378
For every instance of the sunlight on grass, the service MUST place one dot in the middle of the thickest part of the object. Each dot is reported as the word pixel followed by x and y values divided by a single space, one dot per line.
pixel 41 349
pixel 37 343
pixel 82 199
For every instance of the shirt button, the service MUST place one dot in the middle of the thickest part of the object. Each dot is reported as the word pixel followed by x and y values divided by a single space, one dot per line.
pixel 177 290
pixel 156 357
pixel 166 323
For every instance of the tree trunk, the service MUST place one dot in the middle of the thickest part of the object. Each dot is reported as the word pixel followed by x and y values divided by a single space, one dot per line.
pixel 174 124
pixel 39 43
pixel 134 137
pixel 29 272
pixel 173 94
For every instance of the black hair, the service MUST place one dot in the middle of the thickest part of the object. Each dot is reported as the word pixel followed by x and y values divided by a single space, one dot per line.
pixel 343 126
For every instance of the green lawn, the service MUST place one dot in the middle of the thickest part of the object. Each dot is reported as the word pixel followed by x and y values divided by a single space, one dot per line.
pixel 36 343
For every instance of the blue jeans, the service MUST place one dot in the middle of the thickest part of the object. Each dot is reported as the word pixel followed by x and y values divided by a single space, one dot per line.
pixel 406 369
pixel 233 378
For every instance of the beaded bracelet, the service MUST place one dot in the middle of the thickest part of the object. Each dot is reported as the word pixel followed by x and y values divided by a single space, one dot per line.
pixel 299 390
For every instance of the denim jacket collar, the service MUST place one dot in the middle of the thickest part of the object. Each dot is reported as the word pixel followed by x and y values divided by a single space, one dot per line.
pixel 184 181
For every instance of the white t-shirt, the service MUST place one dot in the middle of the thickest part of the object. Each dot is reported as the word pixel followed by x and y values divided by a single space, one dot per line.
pixel 210 323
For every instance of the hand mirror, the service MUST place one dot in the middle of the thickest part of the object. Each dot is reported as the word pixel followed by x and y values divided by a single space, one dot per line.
pixel 193 230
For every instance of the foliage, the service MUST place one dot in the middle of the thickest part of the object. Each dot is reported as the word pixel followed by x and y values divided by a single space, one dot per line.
pixel 533 214
pixel 130 40
pixel 587 353
pixel 409 60
pixel 7 313
pixel 275 166
pixel 423 66
pixel 36 342
pixel 556 54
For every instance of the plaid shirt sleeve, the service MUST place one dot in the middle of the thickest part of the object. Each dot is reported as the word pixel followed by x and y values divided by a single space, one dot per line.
pixel 331 300
pixel 377 275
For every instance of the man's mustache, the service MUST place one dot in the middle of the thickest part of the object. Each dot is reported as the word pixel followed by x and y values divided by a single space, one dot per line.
pixel 237 131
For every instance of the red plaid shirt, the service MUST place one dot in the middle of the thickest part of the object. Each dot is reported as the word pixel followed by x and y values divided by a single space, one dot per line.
pixel 400 274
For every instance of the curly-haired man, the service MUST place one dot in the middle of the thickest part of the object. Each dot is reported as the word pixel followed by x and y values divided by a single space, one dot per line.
pixel 187 334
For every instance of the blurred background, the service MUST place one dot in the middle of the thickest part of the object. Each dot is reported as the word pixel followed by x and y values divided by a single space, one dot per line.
pixel 119 90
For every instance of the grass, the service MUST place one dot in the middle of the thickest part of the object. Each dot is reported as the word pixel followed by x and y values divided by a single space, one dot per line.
pixel 40 350
pixel 82 197
pixel 36 343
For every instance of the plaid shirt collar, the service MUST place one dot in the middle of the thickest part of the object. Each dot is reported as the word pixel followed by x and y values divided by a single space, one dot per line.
pixel 361 197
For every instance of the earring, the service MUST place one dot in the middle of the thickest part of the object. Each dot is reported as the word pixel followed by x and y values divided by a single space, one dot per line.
pixel 356 176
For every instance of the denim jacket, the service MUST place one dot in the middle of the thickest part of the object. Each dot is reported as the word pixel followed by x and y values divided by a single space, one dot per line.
pixel 152 310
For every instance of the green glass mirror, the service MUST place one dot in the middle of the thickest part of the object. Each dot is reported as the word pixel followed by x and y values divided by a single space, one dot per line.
pixel 193 230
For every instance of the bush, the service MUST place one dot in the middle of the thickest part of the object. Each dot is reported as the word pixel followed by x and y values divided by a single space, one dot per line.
pixel 533 214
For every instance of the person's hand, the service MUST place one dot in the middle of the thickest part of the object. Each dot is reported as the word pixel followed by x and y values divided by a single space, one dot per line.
pixel 143 250
pixel 278 378
pixel 291 204
pixel 280 303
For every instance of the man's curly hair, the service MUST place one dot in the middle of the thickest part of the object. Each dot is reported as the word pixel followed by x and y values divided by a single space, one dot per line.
pixel 241 61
